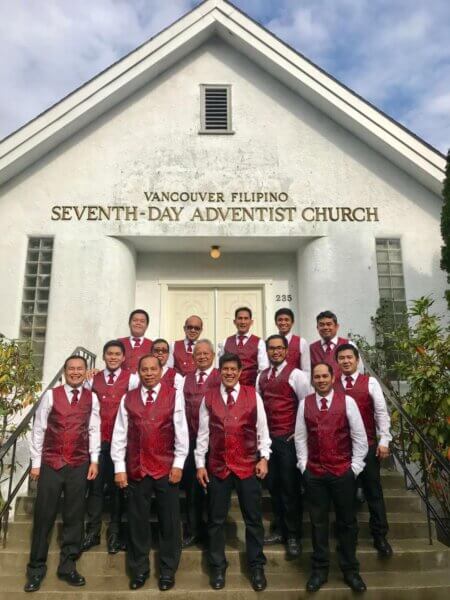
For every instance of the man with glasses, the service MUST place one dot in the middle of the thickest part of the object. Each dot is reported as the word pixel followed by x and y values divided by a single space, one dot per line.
pixel 181 356
pixel 161 350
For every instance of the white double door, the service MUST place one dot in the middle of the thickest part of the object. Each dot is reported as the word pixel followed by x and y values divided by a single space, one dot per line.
pixel 215 306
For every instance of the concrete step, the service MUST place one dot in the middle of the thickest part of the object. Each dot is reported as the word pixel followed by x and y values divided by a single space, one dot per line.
pixel 410 554
pixel 395 585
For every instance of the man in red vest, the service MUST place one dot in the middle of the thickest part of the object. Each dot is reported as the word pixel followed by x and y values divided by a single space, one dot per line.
pixel 298 354
pixel 65 444
pixel 149 446
pixel 196 385
pixel 136 345
pixel 181 355
pixel 233 431
pixel 323 349
pixel 281 387
pixel 250 348
pixel 109 385
pixel 331 444
pixel 367 393
pixel 161 350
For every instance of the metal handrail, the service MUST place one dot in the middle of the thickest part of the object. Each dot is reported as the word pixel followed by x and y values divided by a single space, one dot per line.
pixel 11 443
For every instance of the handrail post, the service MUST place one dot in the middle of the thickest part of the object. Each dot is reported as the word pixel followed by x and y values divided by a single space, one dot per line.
pixel 11 474
pixel 425 485
pixel 402 443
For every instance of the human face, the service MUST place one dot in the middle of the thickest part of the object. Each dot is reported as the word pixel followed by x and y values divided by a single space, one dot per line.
pixel 138 325
pixel 347 362
pixel 161 351
pixel 113 358
pixel 243 322
pixel 322 380
pixel 150 372
pixel 284 324
pixel 276 351
pixel 193 328
pixel 327 328
pixel 75 372
pixel 203 356
pixel 230 373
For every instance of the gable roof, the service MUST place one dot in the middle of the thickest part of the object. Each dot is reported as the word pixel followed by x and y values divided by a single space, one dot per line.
pixel 220 17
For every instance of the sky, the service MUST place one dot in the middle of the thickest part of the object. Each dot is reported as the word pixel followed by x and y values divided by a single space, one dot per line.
pixel 393 53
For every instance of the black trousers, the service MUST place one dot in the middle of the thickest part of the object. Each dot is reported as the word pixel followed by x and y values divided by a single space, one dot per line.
pixel 52 484
pixel 195 496
pixel 321 491
pixel 101 485
pixel 139 528
pixel 370 480
pixel 219 496
pixel 284 485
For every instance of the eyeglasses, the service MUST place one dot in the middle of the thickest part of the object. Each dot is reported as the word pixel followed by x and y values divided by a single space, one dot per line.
pixel 160 351
pixel 193 327
pixel 275 348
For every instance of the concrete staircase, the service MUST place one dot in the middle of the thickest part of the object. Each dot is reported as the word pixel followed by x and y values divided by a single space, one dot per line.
pixel 417 570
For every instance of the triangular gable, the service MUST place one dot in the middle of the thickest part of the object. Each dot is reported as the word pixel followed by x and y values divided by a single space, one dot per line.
pixel 220 17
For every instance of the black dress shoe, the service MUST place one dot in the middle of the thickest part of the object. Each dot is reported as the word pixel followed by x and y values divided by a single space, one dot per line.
pixel 114 544
pixel 316 581
pixel 90 540
pixel 258 579
pixel 360 497
pixel 138 581
pixel 383 546
pixel 273 538
pixel 354 581
pixel 293 548
pixel 73 578
pixel 33 583
pixel 190 540
pixel 217 579
pixel 166 582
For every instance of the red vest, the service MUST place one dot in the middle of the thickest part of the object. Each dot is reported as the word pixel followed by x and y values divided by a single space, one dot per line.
pixel 360 393
pixel 182 361
pixel 329 441
pixel 151 434
pixel 109 397
pixel 132 355
pixel 280 402
pixel 294 356
pixel 193 394
pixel 318 355
pixel 169 377
pixel 248 355
pixel 232 434
pixel 66 440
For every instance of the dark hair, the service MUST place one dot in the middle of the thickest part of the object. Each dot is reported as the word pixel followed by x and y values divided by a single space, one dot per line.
pixel 284 311
pixel 326 314
pixel 75 356
pixel 347 346
pixel 114 344
pixel 139 311
pixel 329 367
pixel 240 309
pixel 277 336
pixel 229 357
pixel 161 341
pixel 148 356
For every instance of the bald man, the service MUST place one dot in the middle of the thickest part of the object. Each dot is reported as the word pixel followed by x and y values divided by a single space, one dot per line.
pixel 181 355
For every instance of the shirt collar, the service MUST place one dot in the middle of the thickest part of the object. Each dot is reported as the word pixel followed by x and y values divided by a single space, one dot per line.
pixel 144 392
pixel 288 336
pixel 116 373
pixel 68 389
pixel 187 341
pixel 137 337
pixel 223 390
pixel 246 335
pixel 207 371
pixel 333 341
pixel 354 376
pixel 329 397
pixel 279 368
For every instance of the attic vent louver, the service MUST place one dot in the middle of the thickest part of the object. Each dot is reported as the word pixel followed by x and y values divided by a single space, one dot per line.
pixel 216 109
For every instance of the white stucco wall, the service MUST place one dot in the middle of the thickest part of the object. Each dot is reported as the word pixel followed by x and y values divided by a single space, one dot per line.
pixel 151 142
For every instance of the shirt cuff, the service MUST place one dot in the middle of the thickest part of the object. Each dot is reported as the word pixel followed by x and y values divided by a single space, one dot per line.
pixel 265 454
pixel 94 457
pixel 200 462
pixel 178 463
pixel 357 469
pixel 119 467
pixel 302 466
pixel 384 441
pixel 36 463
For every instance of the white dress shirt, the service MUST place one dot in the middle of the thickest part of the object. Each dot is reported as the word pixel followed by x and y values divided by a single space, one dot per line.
pixel 382 418
pixel 334 344
pixel 303 347
pixel 262 431
pixel 41 420
pixel 357 433
pixel 120 433
pixel 263 361
pixel 298 380
pixel 132 384
pixel 170 360
pixel 178 382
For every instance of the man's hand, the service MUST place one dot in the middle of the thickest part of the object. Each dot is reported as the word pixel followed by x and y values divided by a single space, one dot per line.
pixel 34 473
pixel 202 477
pixel 262 468
pixel 93 471
pixel 121 480
pixel 175 475
pixel 383 452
